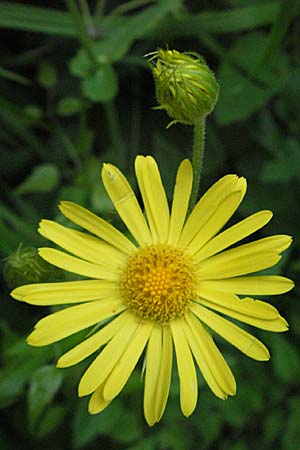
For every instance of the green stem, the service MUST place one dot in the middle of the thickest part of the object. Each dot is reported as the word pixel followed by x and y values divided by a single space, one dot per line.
pixel 126 7
pixel 197 159
pixel 115 132
pixel 83 35
pixel 99 10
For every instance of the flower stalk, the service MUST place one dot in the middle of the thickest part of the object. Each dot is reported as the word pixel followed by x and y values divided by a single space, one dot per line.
pixel 187 90
pixel 197 159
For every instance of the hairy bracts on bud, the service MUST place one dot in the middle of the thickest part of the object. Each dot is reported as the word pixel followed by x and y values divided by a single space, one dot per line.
pixel 185 86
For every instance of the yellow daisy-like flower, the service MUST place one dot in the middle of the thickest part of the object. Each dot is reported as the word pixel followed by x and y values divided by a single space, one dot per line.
pixel 163 290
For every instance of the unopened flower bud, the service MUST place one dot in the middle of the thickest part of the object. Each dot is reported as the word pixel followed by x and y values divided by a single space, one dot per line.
pixel 185 86
pixel 25 266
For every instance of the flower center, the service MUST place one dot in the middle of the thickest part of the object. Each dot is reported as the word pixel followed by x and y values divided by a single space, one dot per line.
pixel 158 282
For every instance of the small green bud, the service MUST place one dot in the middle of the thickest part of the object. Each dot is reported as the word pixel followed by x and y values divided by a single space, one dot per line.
pixel 185 86
pixel 26 266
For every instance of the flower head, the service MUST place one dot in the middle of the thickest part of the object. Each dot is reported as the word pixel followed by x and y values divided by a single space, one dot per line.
pixel 185 86
pixel 161 291
pixel 26 266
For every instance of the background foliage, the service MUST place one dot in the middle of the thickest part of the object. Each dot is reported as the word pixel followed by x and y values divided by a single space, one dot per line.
pixel 75 91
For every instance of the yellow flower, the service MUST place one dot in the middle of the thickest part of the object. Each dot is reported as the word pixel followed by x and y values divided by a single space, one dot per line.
pixel 161 291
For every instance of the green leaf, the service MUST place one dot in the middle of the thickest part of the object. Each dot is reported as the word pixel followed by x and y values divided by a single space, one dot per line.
pixel 12 76
pixel 287 10
pixel 33 112
pixel 31 18
pixel 119 34
pixel 44 384
pixel 86 427
pixel 8 241
pixel 285 359
pixel 21 362
pixel 69 106
pixel 291 435
pixel 47 76
pixel 241 93
pixel 129 428
pixel 102 86
pixel 51 419
pixel 43 178
pixel 14 118
pixel 218 22
pixel 272 428
pixel 286 166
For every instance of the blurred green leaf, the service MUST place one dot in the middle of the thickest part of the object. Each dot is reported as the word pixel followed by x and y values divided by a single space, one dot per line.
pixel 286 166
pixel 51 419
pixel 102 86
pixel 33 112
pixel 174 437
pixel 241 94
pixel 272 428
pixel 285 359
pixel 8 239
pixel 129 428
pixel 12 76
pixel 69 106
pixel 21 361
pixel 232 20
pixel 86 427
pixel 31 18
pixel 287 10
pixel 291 435
pixel 14 118
pixel 43 178
pixel 47 75
pixel 43 385
pixel 118 37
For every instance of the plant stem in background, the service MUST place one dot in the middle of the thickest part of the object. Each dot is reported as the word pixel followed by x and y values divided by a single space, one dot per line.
pixel 115 132
pixel 83 35
pixel 128 6
pixel 197 158
pixel 99 9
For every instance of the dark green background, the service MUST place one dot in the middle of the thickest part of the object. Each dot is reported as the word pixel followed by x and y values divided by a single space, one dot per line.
pixel 68 103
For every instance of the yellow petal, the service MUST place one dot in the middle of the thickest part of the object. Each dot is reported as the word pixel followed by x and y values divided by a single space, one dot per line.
pixel 248 306
pixel 165 373
pixel 153 363
pixel 76 265
pixel 96 226
pixel 217 267
pixel 97 402
pixel 238 337
pixel 126 203
pixel 122 371
pixel 212 365
pixel 246 310
pixel 256 285
pixel 82 245
pixel 101 367
pixel 181 199
pixel 215 221
pixel 46 294
pixel 234 234
pixel 207 205
pixel 277 324
pixel 186 369
pixel 271 244
pixel 68 321
pixel 154 197
pixel 93 343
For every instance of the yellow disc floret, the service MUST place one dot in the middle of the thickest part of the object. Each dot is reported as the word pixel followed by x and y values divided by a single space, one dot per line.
pixel 158 282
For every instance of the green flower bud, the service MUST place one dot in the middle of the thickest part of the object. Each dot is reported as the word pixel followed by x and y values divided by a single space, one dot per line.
pixel 185 86
pixel 25 266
